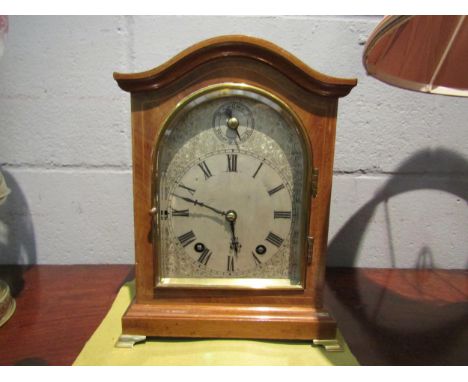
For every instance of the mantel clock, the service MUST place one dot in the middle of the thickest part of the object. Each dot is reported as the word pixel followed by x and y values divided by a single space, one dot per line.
pixel 233 143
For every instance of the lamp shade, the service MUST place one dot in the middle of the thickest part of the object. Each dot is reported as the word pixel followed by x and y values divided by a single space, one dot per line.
pixel 422 53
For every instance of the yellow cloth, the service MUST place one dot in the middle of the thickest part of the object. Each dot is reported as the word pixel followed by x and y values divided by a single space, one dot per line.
pixel 100 348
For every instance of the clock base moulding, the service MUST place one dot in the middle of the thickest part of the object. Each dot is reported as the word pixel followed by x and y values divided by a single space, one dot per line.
pixel 228 321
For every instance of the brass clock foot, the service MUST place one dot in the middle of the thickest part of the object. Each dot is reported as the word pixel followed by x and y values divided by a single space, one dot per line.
pixel 331 345
pixel 129 340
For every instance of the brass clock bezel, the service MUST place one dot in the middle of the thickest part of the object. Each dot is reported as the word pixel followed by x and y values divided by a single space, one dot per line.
pixel 228 89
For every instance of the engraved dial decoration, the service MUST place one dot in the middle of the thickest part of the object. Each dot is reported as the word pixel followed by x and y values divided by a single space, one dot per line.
pixel 229 196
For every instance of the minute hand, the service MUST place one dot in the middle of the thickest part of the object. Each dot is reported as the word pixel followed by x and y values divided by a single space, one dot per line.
pixel 201 204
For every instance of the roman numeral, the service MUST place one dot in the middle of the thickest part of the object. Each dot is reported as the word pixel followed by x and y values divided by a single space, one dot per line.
pixel 205 256
pixel 232 162
pixel 205 169
pixel 276 189
pixel 282 214
pixel 180 213
pixel 230 264
pixel 256 259
pixel 186 238
pixel 258 169
pixel 274 239
pixel 191 190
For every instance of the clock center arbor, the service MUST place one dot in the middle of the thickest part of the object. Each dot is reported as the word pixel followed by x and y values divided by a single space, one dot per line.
pixel 233 142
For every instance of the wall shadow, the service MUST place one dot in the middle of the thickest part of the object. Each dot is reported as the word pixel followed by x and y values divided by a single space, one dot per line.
pixel 344 247
pixel 398 329
pixel 17 240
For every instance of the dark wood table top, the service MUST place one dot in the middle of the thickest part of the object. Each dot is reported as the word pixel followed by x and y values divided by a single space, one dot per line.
pixel 387 316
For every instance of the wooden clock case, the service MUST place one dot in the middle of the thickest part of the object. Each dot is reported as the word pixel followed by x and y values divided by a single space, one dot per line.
pixel 232 313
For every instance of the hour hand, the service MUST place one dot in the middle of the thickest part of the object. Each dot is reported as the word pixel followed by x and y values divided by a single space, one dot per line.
pixel 234 242
pixel 231 217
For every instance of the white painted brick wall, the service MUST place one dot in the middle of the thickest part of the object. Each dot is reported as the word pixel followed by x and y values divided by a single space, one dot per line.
pixel 401 167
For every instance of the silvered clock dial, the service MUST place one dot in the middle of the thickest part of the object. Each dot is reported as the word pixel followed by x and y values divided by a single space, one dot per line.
pixel 229 187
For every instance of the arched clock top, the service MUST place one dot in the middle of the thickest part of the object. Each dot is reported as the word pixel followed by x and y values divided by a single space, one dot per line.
pixel 240 47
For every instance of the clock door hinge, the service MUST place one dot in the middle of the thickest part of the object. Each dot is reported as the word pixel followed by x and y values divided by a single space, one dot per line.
pixel 315 174
pixel 310 249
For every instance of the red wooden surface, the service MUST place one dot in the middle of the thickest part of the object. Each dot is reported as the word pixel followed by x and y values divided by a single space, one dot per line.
pixel 388 317
pixel 401 317
pixel 57 309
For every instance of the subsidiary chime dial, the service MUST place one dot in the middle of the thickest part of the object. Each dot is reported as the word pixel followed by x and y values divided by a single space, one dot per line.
pixel 233 122
pixel 230 190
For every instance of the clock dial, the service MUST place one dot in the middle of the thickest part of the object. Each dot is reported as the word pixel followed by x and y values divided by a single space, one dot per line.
pixel 231 212
pixel 230 196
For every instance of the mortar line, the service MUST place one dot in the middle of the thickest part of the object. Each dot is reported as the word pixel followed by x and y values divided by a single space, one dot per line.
pixel 370 173
pixel 128 168
pixel 66 167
